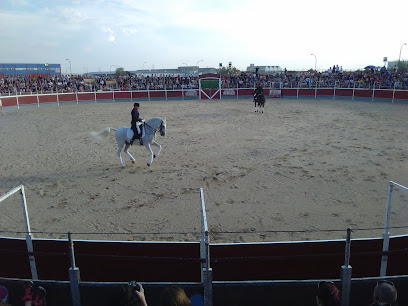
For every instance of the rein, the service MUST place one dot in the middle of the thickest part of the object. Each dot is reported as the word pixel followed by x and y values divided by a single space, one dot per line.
pixel 155 130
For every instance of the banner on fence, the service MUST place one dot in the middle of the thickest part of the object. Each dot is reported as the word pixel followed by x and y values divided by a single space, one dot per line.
pixel 229 92
pixel 191 93
pixel 275 93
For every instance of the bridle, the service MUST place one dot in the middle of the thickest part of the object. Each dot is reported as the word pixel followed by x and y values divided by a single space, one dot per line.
pixel 159 128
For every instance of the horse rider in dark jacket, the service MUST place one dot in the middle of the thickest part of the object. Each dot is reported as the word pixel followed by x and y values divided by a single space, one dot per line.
pixel 135 119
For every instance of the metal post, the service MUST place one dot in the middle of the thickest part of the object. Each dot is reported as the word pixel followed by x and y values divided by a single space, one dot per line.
pixel 74 277
pixel 346 272
pixel 386 234
pixel 206 271
pixel 393 92
pixel 29 241
pixel 354 87
pixel 372 98
pixel 29 237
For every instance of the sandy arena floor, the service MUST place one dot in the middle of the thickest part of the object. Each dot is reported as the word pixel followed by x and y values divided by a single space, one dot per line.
pixel 303 170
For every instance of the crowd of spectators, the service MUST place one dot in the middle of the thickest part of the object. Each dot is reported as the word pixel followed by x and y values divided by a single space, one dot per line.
pixel 378 78
pixel 133 294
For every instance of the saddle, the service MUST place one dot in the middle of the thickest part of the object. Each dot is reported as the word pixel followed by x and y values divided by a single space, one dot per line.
pixel 130 134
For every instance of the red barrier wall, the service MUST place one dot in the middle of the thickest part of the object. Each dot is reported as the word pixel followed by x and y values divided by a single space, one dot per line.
pixel 140 94
pixel 9 101
pixel 180 262
pixel 306 92
pixel 383 94
pixel 104 96
pixel 23 100
pixel 344 92
pixel 47 98
pixel 325 92
pixel 122 95
pixel 86 96
pixel 175 94
pixel 158 94
pixel 289 92
pixel 363 93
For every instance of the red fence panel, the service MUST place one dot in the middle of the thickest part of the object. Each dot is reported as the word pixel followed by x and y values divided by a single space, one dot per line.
pixel 24 100
pixel 104 96
pixel 246 91
pixel 122 95
pixel 157 94
pixel 306 92
pixel 363 93
pixel 67 97
pixel 47 98
pixel 325 92
pixel 140 95
pixel 86 96
pixel 401 94
pixel 344 92
pixel 289 92
pixel 382 93
pixel 9 101
pixel 175 94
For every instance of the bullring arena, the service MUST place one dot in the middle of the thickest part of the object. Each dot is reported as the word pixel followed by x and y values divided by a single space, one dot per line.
pixel 303 170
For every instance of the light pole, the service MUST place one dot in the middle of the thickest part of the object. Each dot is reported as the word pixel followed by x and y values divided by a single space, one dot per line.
pixel 110 68
pixel 70 69
pixel 86 70
pixel 143 65
pixel 315 61
pixel 399 59
pixel 198 62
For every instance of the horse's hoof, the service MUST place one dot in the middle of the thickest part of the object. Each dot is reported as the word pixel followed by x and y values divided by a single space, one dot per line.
pixel 154 156
pixel 133 161
pixel 148 165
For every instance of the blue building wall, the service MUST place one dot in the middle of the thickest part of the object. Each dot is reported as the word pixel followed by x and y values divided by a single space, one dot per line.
pixel 14 69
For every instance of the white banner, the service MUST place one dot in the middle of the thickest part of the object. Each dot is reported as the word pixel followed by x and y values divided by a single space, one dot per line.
pixel 229 92
pixel 191 93
pixel 275 93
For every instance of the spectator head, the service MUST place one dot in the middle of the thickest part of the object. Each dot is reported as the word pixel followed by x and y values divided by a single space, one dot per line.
pixel 385 292
pixel 3 294
pixel 174 296
pixel 136 104
pixel 327 294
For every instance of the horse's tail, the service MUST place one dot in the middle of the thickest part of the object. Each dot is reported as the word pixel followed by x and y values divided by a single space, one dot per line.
pixel 102 134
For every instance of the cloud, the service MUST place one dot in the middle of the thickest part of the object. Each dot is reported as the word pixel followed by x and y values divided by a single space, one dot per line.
pixel 129 30
pixel 111 34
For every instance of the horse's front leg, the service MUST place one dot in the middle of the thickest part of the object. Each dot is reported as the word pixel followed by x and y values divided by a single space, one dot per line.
pixel 127 145
pixel 147 145
pixel 158 150
pixel 120 157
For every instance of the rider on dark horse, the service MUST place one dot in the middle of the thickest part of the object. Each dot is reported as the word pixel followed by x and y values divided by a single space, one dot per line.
pixel 258 93
pixel 135 119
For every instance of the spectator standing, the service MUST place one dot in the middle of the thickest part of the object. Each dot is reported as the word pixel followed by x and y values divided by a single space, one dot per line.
pixel 385 294
pixel 327 294
pixel 174 296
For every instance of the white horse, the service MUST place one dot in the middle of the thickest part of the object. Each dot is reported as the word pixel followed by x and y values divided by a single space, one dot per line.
pixel 149 129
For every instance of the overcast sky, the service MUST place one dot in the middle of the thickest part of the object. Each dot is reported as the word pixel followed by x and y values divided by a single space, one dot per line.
pixel 99 35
